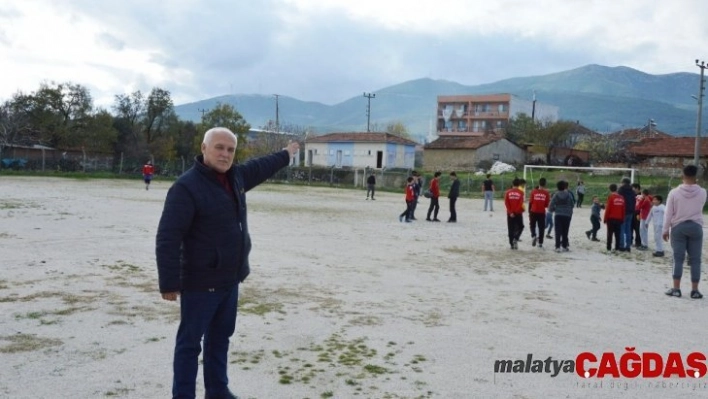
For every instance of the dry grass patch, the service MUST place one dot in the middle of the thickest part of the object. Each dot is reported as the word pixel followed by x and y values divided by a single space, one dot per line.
pixel 27 343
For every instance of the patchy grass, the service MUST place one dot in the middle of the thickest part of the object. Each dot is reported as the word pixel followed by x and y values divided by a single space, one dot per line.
pixel 43 316
pixel 123 266
pixel 119 391
pixel 250 306
pixel 352 361
pixel 27 343
pixel 458 250
pixel 11 204
pixel 373 369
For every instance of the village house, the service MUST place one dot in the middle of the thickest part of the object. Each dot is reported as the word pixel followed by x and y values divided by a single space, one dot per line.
pixel 360 150
pixel 466 152
pixel 667 155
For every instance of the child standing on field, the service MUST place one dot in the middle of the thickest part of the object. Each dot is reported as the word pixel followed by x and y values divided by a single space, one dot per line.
pixel 549 224
pixel 657 216
pixel 539 200
pixel 594 219
pixel 410 201
pixel 514 202
pixel 644 206
pixel 614 217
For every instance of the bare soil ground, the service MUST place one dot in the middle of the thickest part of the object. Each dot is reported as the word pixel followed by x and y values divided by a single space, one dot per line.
pixel 344 301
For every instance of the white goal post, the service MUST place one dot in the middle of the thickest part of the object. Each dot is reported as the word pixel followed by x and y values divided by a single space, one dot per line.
pixel 531 167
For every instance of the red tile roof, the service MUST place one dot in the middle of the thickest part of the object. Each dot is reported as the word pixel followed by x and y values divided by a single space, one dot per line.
pixel 355 137
pixel 461 142
pixel 669 147
pixel 637 134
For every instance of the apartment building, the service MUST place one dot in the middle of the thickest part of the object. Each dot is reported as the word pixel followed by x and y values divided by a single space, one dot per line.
pixel 473 115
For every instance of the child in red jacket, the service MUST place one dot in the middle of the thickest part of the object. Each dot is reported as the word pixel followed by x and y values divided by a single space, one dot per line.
pixel 410 201
pixel 614 216
pixel 538 202
pixel 514 201
pixel 644 207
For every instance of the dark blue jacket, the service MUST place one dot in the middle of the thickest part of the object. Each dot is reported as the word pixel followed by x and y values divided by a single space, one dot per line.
pixel 202 240
pixel 454 189
pixel 629 196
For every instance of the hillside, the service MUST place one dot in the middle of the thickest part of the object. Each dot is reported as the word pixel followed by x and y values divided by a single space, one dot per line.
pixel 602 98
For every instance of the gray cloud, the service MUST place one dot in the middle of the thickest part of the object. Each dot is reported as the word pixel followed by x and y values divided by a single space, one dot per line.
pixel 255 47
pixel 110 41
pixel 9 12
pixel 4 39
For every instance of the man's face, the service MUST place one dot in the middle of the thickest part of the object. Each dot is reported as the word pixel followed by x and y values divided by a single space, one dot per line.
pixel 219 152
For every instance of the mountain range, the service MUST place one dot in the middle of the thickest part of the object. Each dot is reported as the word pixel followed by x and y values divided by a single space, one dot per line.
pixel 601 98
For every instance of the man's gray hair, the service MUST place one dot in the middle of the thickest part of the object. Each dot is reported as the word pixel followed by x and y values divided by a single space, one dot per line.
pixel 210 133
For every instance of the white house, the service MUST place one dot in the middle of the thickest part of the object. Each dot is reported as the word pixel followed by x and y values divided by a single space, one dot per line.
pixel 360 150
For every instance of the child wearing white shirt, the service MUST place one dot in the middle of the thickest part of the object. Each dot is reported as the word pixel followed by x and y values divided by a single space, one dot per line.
pixel 656 214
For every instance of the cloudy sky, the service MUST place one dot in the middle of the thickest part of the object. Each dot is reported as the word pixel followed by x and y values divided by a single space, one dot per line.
pixel 331 50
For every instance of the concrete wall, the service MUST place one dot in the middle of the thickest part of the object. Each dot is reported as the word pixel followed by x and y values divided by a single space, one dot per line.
pixel 502 150
pixel 466 159
pixel 360 155
pixel 447 160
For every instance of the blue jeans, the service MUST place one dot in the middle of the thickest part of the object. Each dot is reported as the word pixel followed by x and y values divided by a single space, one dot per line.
pixel 211 315
pixel 627 231
pixel 488 199
pixel 687 237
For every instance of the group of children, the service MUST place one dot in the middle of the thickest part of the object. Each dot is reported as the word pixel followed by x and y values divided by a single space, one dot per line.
pixel 647 209
pixel 414 189
pixel 546 210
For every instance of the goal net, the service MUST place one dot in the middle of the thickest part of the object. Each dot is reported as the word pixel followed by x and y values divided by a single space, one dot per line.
pixel 574 174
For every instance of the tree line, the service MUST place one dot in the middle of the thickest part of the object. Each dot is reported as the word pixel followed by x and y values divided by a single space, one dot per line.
pixel 522 129
pixel 139 125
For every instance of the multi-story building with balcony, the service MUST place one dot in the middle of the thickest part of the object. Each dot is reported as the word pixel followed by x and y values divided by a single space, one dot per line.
pixel 473 115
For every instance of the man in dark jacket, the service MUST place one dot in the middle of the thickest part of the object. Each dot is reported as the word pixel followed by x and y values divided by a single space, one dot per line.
pixel 371 186
pixel 629 196
pixel 202 249
pixel 452 195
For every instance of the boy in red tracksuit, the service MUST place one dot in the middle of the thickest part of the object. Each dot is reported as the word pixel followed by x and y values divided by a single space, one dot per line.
pixel 614 216
pixel 434 198
pixel 538 202
pixel 514 201
pixel 644 207
pixel 410 201
pixel 148 171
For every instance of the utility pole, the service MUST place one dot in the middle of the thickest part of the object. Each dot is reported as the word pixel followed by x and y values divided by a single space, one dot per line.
pixel 369 96
pixel 277 113
pixel 533 107
pixel 203 111
pixel 701 89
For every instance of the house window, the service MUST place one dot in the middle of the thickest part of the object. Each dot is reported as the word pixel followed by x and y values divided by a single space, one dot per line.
pixel 315 151
pixel 369 152
pixel 502 107
pixel 347 153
